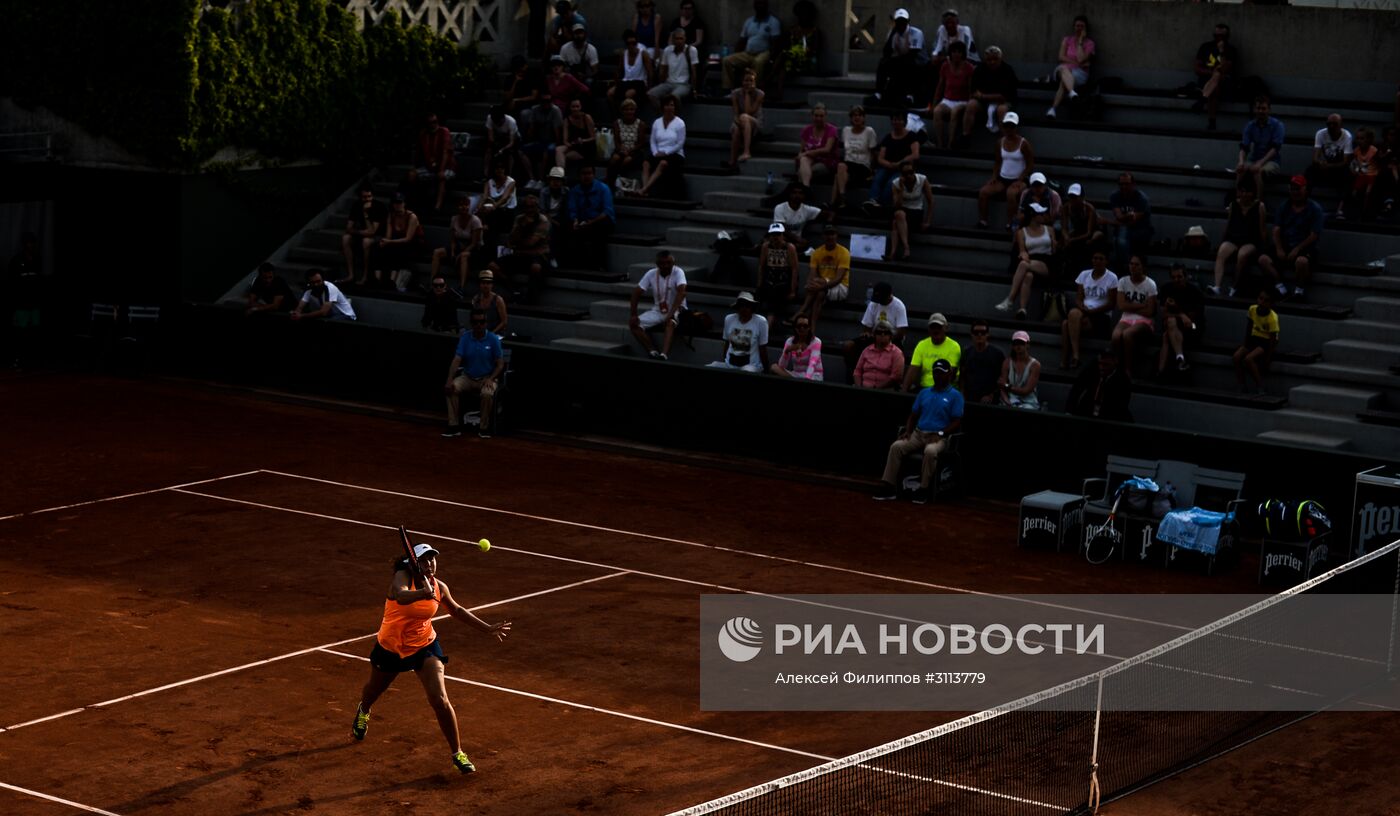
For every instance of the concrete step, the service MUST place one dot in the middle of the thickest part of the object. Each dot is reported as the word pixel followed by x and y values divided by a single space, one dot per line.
pixel 601 330
pixel 613 311
pixel 597 346
pixel 1381 309
pixel 1333 399
pixel 1361 352
pixel 1306 439
pixel 1374 331
pixel 738 202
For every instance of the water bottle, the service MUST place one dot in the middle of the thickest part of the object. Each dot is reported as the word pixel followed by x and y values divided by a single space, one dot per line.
pixel 869 293
pixel 723 51
pixel 770 182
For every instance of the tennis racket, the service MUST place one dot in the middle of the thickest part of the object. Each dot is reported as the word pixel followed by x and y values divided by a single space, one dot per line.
pixel 414 572
pixel 1105 539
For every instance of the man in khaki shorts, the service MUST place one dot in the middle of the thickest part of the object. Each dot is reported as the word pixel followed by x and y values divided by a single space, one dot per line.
pixel 475 368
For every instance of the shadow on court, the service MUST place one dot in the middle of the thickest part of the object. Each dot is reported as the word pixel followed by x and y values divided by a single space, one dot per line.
pixel 181 790
pixel 436 780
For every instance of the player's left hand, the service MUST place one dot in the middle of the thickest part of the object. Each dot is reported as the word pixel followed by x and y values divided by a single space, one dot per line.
pixel 500 630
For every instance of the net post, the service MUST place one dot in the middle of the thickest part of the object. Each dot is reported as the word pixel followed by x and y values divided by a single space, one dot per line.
pixel 1394 618
pixel 1094 793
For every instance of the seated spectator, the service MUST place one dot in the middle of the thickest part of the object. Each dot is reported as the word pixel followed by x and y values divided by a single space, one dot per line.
pixel 464 237
pixel 795 214
pixel 1183 308
pixel 544 131
pixel 937 415
pixel 564 87
pixel 882 307
pixel 1244 236
pixel 802 46
pixel 635 72
pixel 830 276
pixel 777 273
pixel 552 199
pixel 1093 309
pixel 591 219
pixel 1012 163
pixel 580 56
pixel 528 243
pixel 487 300
pixel 1261 146
pixel 1020 373
pixel 1387 187
pixel 630 138
pixel 580 138
pixel 1364 170
pixel 691 23
pixel 440 309
pixel 1331 157
pixel 1137 308
pixel 361 230
pixel 758 37
pixel 526 88
pixel 946 36
pixel 747 103
pixel 1081 230
pixel 858 144
pixel 1132 219
pixel 1195 244
pixel 1038 192
pixel 802 353
pixel 678 69
pixel 497 204
pixel 745 338
pixel 901 61
pixel 476 369
pixel 816 146
pixel 912 198
pixel 268 292
pixel 322 300
pixel 400 246
pixel 435 160
pixel 881 364
pixel 953 92
pixel 980 366
pixel 1297 229
pixel 1215 72
pixel 899 146
pixel 937 347
pixel 647 23
pixel 561 28
pixel 1076 57
pixel 665 285
pixel 502 141
pixel 666 165
pixel 1260 340
pixel 1101 391
pixel 994 87
pixel 1035 253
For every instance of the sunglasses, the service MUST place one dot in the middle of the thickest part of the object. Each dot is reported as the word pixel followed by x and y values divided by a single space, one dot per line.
pixel 883 331
pixel 439 286
pixel 803 326
pixel 979 331
pixel 478 322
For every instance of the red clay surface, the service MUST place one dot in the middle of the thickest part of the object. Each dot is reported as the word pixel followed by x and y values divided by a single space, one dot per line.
pixel 121 597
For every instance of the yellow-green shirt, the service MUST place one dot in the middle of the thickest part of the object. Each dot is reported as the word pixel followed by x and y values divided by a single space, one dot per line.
pixel 926 353
pixel 831 263
pixel 1265 326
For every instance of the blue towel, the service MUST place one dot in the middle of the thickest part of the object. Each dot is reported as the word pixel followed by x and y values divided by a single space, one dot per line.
pixel 1193 529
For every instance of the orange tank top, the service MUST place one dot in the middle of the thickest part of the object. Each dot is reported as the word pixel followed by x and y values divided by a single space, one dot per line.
pixel 407 627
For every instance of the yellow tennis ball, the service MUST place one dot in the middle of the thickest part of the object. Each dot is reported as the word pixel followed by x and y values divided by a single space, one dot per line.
pixel 484 545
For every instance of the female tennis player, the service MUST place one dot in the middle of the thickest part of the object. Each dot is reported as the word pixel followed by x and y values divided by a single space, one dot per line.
pixel 407 642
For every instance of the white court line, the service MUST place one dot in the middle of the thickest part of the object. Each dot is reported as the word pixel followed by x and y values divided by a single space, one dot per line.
pixel 129 495
pixel 610 712
pixel 734 550
pixel 297 653
pixel 38 795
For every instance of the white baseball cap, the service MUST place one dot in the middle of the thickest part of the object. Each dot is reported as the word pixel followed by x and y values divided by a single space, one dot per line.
pixel 900 14
pixel 1075 189
pixel 776 228
pixel 1037 176
pixel 420 550
pixel 1038 208
pixel 1011 117
pixel 556 172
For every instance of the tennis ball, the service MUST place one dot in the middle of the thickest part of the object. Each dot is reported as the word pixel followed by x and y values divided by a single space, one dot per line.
pixel 484 544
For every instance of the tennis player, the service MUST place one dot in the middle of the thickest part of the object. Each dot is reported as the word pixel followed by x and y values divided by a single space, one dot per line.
pixel 407 642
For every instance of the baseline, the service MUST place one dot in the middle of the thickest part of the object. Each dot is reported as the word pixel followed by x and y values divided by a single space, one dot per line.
pixel 68 802
pixel 129 495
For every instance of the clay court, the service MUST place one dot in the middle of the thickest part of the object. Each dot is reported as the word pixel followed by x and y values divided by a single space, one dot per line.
pixel 191 579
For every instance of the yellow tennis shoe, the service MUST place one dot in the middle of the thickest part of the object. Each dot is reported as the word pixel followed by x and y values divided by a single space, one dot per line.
pixel 463 763
pixel 361 724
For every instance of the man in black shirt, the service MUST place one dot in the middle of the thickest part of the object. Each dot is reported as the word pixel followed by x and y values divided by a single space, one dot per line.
pixel 440 310
pixel 1101 390
pixel 993 89
pixel 1183 306
pixel 367 216
pixel 268 292
pixel 898 146
pixel 981 366
pixel 1215 72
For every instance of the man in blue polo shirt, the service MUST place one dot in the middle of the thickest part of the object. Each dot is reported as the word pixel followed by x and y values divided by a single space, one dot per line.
pixel 589 209
pixel 1261 145
pixel 476 368
pixel 936 416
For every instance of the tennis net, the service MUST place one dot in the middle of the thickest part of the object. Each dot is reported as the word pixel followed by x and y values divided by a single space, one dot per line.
pixel 1101 736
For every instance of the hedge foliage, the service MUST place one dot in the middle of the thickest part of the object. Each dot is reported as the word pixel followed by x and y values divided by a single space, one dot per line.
pixel 289 79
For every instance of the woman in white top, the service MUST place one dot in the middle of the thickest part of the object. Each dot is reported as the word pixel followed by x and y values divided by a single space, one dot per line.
pixel 1014 161
pixel 858 144
pixel 497 205
pixel 630 139
pixel 1035 248
pixel 912 196
pixel 667 158
pixel 636 72
pixel 747 103
pixel 1094 309
pixel 1020 373
pixel 464 238
pixel 1137 306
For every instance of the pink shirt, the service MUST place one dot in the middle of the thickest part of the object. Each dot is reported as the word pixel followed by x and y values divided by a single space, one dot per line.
pixel 957 84
pixel 811 140
pixel 879 367
pixel 806 365
pixel 1071 44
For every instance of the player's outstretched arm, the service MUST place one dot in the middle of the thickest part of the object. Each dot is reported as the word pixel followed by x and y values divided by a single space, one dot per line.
pixel 500 630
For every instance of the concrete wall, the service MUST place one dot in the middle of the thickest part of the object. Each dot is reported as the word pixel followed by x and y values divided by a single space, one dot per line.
pixel 1276 42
